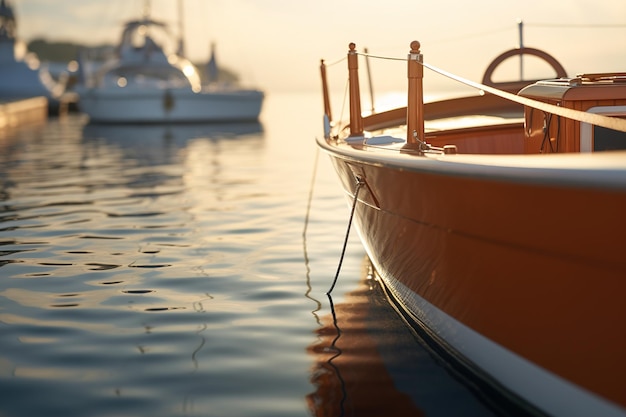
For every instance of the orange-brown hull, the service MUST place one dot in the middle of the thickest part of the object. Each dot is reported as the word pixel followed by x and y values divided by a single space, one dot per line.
pixel 532 268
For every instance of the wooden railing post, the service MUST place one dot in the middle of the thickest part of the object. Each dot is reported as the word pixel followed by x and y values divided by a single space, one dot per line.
pixel 325 93
pixel 415 103
pixel 356 122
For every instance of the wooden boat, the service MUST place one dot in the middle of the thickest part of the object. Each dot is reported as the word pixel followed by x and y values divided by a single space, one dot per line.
pixel 497 221
pixel 149 83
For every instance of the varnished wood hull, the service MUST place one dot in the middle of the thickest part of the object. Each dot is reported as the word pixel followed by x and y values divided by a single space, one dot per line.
pixel 519 271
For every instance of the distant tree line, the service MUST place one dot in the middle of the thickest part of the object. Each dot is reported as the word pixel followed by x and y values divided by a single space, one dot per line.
pixel 54 51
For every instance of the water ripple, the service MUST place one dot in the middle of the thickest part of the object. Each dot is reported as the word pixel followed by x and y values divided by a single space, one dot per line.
pixel 158 270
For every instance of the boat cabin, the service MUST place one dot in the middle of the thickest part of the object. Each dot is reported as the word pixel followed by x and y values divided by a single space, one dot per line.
pixel 593 93
pixel 494 127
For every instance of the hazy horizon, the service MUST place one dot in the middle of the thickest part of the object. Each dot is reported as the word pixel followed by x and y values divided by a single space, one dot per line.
pixel 277 44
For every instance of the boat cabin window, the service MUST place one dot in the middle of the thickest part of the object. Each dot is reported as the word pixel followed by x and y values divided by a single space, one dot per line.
pixel 596 138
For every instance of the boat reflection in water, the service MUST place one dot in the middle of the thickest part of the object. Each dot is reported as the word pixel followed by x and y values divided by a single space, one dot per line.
pixel 369 362
pixel 161 143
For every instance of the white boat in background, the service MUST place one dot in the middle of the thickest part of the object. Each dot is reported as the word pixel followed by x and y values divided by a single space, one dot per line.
pixel 20 73
pixel 146 83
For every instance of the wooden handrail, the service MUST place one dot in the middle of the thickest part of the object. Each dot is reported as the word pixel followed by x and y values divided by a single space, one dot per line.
pixel 465 106
pixel 356 122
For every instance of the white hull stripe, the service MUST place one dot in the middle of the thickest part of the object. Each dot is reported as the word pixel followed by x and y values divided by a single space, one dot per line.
pixel 537 386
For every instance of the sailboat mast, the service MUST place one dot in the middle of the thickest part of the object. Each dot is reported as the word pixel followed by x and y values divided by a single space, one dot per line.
pixel 181 29
pixel 520 26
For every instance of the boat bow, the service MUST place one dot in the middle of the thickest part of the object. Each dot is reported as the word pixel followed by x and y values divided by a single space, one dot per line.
pixel 497 223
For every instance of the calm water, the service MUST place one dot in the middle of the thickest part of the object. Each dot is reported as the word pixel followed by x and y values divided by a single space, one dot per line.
pixel 162 271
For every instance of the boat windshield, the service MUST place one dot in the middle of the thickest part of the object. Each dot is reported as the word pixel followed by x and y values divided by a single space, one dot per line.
pixel 146 37
pixel 146 75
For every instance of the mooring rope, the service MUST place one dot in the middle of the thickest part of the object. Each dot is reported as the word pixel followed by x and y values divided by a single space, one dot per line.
pixel 359 184
pixel 312 185
pixel 307 294
pixel 338 352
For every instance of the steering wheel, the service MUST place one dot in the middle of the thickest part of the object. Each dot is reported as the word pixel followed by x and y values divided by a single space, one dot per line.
pixel 512 85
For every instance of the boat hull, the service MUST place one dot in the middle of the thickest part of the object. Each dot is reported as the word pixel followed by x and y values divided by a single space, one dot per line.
pixel 170 106
pixel 505 268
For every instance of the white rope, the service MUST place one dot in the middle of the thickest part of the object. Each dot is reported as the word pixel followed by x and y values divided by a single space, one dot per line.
pixel 614 123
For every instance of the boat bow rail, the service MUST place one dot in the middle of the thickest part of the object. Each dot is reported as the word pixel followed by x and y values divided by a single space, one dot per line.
pixel 538 96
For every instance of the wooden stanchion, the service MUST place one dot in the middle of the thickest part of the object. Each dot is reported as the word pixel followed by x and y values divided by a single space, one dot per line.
pixel 415 103
pixel 325 93
pixel 356 121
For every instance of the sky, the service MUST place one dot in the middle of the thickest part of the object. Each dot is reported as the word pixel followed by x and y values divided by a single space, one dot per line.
pixel 277 44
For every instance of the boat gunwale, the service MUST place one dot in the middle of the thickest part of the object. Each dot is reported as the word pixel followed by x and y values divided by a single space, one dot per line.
pixel 605 170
